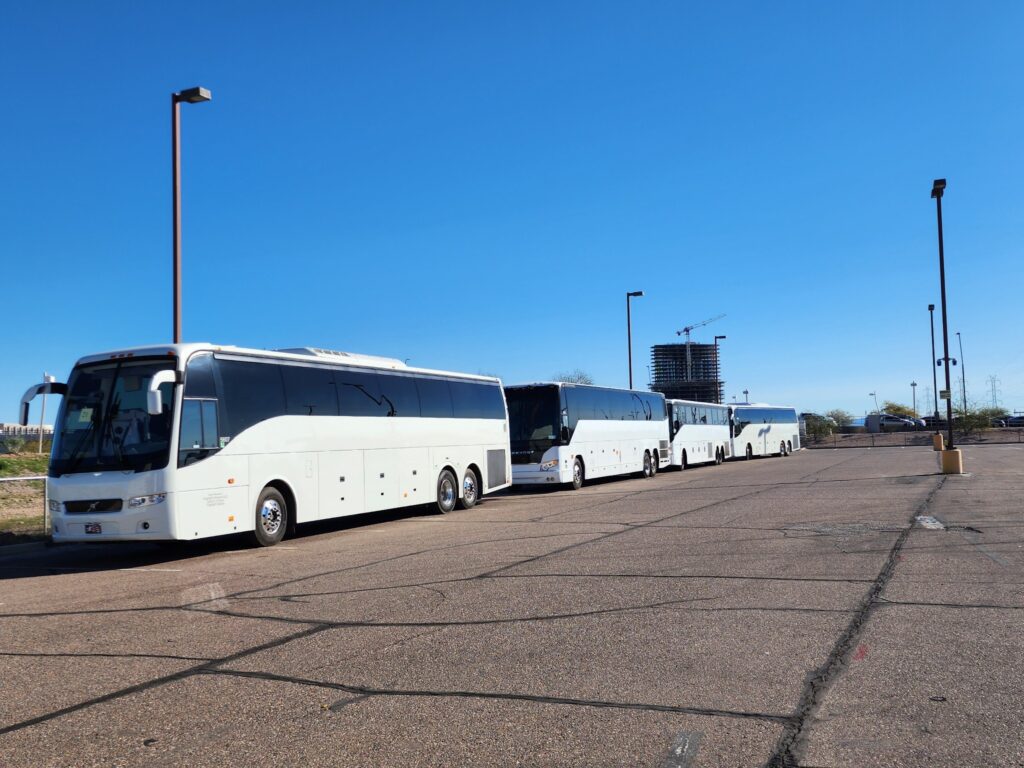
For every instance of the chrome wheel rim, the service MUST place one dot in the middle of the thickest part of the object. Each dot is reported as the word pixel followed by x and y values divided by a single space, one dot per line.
pixel 469 488
pixel 271 517
pixel 447 493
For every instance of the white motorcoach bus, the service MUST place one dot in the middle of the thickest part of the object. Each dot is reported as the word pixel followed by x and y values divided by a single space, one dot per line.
pixel 193 440
pixel 763 430
pixel 699 433
pixel 567 433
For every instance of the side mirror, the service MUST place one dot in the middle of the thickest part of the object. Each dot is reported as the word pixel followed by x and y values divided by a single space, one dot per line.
pixel 675 424
pixel 46 388
pixel 565 434
pixel 154 398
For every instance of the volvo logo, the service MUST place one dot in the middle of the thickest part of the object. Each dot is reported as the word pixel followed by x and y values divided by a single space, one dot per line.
pixel 93 507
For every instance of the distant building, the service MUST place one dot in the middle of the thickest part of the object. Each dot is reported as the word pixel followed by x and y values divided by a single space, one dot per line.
pixel 700 379
pixel 7 428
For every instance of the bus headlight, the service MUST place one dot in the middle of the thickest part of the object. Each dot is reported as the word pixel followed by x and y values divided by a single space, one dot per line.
pixel 547 466
pixel 145 501
pixel 54 506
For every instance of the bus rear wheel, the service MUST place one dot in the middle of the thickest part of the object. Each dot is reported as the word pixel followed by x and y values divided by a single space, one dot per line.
pixel 782 448
pixel 654 463
pixel 789 447
pixel 271 518
pixel 447 495
pixel 719 457
pixel 646 471
pixel 686 462
pixel 470 490
pixel 750 452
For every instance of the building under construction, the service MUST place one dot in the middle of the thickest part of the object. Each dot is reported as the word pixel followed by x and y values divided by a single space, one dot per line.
pixel 697 376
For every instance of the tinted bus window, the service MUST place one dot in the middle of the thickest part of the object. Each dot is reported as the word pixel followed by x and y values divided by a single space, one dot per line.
pixel 399 394
pixel 359 393
pixel 309 391
pixel 252 392
pixel 199 380
pixel 435 398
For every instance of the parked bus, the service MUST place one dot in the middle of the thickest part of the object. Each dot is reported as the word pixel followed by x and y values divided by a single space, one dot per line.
pixel 568 433
pixel 699 433
pixel 194 440
pixel 763 430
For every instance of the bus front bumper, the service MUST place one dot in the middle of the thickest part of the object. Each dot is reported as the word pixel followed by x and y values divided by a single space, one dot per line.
pixel 146 523
pixel 532 474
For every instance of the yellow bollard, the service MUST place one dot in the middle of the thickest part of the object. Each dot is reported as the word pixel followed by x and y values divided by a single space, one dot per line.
pixel 951 462
pixel 938 442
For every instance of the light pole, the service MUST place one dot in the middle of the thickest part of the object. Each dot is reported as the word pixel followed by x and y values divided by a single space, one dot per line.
pixel 746 395
pixel 935 381
pixel 629 333
pixel 718 365
pixel 938 186
pixel 189 96
pixel 872 394
pixel 963 373
pixel 913 394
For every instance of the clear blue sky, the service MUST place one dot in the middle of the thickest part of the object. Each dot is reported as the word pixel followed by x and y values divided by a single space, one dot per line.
pixel 475 185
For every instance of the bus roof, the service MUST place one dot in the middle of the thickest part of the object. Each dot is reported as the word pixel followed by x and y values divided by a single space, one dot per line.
pixel 294 354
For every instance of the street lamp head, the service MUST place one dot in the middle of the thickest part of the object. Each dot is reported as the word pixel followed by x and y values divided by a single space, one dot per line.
pixel 937 187
pixel 720 337
pixel 193 95
pixel 931 307
pixel 635 293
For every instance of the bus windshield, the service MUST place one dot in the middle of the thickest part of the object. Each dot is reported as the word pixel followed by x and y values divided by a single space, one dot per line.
pixel 104 424
pixel 534 420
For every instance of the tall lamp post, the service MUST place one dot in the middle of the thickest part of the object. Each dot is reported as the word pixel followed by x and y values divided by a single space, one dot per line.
pixel 938 186
pixel 935 381
pixel 913 394
pixel 746 395
pixel 629 333
pixel 963 373
pixel 189 96
pixel 872 394
pixel 721 390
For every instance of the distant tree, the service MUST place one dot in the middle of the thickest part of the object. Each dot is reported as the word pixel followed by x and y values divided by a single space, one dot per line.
pixel 818 426
pixel 898 409
pixel 840 417
pixel 575 376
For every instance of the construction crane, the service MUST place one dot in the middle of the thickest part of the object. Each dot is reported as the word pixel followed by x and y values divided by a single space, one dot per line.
pixel 686 330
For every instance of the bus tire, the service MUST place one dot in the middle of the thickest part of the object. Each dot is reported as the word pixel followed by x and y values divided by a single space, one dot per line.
pixel 789 447
pixel 646 471
pixel 578 474
pixel 686 463
pixel 271 517
pixel 719 455
pixel 447 492
pixel 655 458
pixel 470 490
pixel 750 452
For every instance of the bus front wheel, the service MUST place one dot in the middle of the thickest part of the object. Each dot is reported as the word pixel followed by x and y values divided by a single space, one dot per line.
pixel 577 474
pixel 447 495
pixel 470 490
pixel 271 518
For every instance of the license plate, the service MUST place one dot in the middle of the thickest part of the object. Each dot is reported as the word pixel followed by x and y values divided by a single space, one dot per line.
pixel 93 528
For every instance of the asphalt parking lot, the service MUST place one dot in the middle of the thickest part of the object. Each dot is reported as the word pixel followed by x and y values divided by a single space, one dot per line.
pixel 778 612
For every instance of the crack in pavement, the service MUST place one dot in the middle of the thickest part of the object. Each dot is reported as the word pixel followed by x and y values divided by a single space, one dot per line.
pixel 503 696
pixel 791 743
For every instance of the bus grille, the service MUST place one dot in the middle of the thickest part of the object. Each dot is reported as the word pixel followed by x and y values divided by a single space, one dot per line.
pixel 93 505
